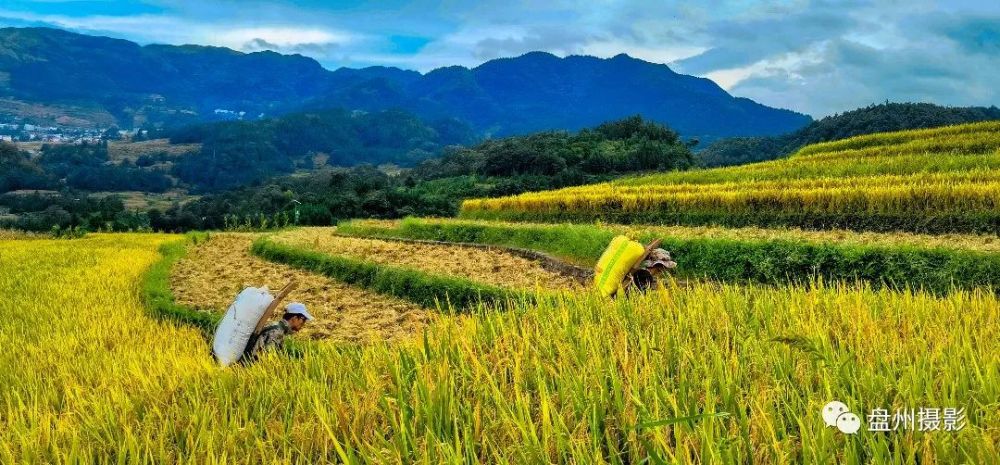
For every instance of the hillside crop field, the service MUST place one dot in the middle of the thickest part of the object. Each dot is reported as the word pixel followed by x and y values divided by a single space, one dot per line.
pixel 707 373
pixel 118 150
pixel 493 247
pixel 932 180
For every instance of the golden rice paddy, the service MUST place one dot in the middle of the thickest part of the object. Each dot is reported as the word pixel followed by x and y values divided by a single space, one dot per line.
pixel 950 175
pixel 708 374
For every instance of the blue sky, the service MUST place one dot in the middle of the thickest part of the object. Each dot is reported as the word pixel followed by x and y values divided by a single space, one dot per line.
pixel 818 57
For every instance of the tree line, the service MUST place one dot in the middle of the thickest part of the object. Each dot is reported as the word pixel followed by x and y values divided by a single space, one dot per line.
pixel 435 186
pixel 84 167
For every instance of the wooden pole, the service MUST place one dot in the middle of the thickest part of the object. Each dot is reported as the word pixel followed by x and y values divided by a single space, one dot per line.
pixel 274 305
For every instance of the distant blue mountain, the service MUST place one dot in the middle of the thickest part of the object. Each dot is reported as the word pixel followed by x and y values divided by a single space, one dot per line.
pixel 170 85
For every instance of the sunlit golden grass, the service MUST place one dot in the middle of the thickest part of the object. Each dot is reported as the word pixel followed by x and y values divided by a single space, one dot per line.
pixel 917 194
pixel 88 377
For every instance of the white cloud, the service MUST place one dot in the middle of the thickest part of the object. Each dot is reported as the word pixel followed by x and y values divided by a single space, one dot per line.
pixel 657 54
pixel 175 30
pixel 145 28
pixel 786 65
pixel 283 37
pixel 844 75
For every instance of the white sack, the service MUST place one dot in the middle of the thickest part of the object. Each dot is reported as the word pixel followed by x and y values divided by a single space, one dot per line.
pixel 237 326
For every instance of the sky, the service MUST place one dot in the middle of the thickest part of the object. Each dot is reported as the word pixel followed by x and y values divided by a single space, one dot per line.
pixel 816 57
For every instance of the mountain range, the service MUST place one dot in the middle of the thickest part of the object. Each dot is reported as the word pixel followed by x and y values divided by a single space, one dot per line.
pixel 76 79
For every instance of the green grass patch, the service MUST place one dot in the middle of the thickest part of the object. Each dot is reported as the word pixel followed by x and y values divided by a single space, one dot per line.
pixel 159 298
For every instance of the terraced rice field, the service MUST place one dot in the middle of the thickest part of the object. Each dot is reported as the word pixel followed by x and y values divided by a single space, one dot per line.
pixel 495 266
pixel 934 180
pixel 974 242
pixel 212 273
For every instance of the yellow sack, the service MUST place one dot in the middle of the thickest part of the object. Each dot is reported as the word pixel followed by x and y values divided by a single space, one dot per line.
pixel 615 263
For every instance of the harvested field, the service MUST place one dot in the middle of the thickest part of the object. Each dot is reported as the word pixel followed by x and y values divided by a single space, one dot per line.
pixel 144 201
pixel 121 150
pixel 213 272
pixel 495 267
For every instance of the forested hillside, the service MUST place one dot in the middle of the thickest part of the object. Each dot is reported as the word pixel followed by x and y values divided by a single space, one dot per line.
pixel 250 158
pixel 436 187
pixel 869 120
pixel 237 153
pixel 96 79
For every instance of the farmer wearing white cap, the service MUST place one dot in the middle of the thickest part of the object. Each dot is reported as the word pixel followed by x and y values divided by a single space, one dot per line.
pixel 273 335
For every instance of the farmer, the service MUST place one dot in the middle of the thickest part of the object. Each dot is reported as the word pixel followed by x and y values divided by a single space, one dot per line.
pixel 657 263
pixel 273 335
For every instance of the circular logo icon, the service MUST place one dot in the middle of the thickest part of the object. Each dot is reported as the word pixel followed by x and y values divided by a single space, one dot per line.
pixel 833 410
pixel 848 423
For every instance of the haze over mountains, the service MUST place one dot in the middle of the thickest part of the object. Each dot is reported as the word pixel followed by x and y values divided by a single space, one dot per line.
pixel 74 79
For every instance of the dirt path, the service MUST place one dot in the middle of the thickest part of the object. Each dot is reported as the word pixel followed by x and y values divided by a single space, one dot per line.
pixel 493 266
pixel 213 272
